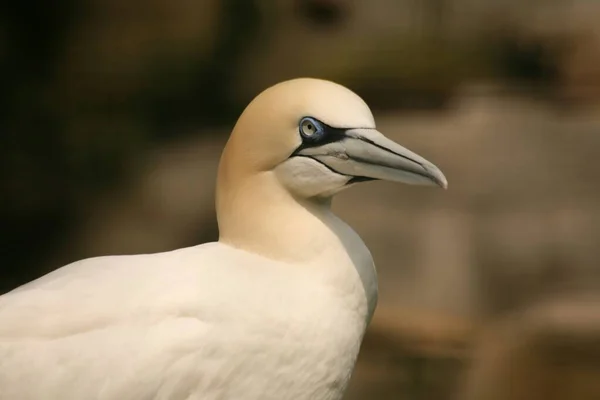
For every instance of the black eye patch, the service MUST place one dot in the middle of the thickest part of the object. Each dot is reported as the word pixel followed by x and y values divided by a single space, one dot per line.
pixel 324 134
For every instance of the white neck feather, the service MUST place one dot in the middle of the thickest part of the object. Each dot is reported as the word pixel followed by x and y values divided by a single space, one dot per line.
pixel 258 215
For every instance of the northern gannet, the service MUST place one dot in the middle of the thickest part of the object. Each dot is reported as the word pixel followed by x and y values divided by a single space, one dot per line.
pixel 275 310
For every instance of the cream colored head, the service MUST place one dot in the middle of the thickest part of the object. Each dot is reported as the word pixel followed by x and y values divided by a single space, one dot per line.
pixel 301 141
pixel 267 132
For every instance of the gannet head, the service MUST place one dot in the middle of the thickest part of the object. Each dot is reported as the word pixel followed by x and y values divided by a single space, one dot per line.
pixel 317 138
pixel 294 146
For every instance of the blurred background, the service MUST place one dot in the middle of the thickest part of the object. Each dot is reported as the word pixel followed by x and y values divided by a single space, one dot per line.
pixel 113 115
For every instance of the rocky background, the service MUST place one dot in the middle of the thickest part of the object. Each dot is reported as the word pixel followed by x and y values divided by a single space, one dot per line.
pixel 113 115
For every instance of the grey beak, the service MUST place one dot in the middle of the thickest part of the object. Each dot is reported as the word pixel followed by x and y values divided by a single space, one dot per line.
pixel 366 153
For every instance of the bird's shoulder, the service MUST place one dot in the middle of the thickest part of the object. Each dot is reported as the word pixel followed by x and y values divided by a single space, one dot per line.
pixel 100 291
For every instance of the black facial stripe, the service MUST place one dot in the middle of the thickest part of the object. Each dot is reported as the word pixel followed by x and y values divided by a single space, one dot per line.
pixel 330 135
pixel 357 179
pixel 353 179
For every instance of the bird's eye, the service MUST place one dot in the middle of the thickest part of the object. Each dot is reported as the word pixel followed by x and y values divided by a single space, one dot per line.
pixel 309 127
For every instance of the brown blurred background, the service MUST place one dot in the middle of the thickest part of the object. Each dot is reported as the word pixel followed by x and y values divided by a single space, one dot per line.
pixel 113 115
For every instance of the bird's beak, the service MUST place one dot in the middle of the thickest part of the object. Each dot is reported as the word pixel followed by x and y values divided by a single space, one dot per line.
pixel 366 154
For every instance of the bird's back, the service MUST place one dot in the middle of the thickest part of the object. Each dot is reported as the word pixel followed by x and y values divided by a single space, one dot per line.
pixel 204 322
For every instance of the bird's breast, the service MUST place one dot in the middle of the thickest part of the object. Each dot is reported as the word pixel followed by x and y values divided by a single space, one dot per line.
pixel 306 353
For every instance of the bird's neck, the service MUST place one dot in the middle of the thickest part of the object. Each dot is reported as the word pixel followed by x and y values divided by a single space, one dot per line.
pixel 260 216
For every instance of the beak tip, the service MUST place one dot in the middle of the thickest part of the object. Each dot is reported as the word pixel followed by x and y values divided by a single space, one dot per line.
pixel 437 176
pixel 443 183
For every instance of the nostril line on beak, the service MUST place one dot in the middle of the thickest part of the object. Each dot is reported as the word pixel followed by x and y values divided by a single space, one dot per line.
pixel 364 139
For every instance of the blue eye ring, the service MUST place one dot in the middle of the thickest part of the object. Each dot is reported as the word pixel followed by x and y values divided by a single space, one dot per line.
pixel 310 128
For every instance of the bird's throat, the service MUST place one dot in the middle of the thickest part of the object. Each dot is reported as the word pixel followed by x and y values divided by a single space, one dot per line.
pixel 262 217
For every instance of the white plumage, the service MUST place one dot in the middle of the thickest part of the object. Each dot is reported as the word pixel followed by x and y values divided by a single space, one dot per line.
pixel 275 310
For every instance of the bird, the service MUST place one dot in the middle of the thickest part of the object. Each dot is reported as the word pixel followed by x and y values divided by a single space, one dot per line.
pixel 276 308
